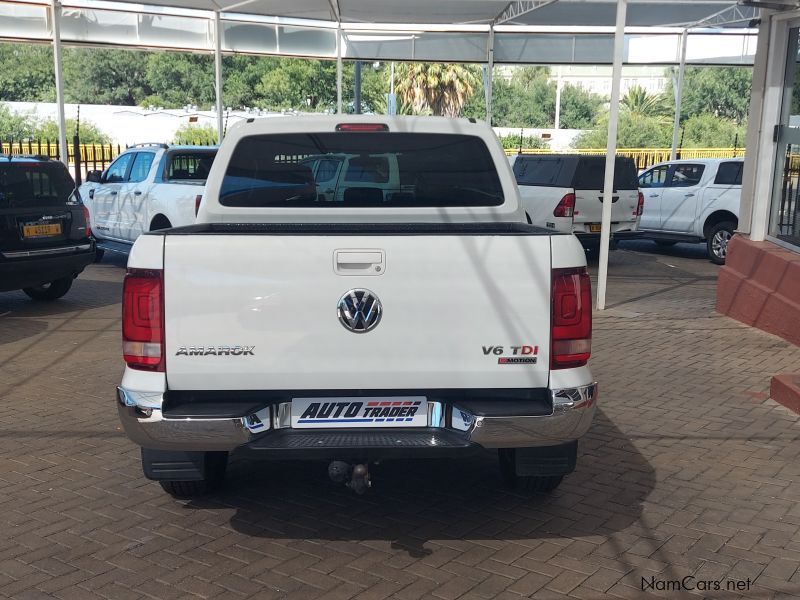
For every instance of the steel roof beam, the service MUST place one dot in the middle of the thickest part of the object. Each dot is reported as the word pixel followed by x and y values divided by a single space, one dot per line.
pixel 514 10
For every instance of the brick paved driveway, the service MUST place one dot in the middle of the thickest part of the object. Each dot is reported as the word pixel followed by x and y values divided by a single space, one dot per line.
pixel 688 470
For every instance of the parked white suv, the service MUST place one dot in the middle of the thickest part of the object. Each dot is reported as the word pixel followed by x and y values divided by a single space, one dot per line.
pixel 564 192
pixel 693 201
pixel 147 187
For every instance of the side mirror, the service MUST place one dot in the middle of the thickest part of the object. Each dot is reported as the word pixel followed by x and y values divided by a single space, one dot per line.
pixel 94 176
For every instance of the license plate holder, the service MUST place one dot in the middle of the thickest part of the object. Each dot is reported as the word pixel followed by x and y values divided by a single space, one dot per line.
pixel 40 229
pixel 359 412
pixel 594 227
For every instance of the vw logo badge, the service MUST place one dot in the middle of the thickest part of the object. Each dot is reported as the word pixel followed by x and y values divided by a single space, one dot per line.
pixel 359 311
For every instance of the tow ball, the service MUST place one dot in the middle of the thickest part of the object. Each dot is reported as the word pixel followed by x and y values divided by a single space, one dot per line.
pixel 356 477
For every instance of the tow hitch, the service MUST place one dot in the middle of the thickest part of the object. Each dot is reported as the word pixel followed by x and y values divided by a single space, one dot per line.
pixel 356 477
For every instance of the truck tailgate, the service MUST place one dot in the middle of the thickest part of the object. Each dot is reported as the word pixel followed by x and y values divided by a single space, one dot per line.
pixel 259 311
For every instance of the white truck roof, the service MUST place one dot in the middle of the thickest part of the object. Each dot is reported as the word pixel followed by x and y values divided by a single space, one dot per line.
pixel 211 211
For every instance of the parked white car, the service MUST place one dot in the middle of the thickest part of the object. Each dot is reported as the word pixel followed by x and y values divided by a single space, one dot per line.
pixel 147 187
pixel 564 192
pixel 693 201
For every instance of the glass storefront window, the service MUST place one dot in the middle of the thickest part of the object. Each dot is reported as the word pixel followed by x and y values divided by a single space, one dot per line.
pixel 785 209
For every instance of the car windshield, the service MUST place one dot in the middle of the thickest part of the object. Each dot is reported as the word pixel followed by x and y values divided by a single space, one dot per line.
pixel 34 184
pixel 380 169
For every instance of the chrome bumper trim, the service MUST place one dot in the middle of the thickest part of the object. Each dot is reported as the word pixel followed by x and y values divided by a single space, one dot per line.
pixel 47 251
pixel 142 419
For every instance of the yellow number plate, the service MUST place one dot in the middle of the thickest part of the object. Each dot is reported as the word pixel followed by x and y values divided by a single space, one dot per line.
pixel 594 227
pixel 34 231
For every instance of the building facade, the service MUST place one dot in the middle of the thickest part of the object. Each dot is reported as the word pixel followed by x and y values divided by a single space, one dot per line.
pixel 760 284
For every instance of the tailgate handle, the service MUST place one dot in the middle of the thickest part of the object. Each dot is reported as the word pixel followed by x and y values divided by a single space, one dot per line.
pixel 613 198
pixel 359 262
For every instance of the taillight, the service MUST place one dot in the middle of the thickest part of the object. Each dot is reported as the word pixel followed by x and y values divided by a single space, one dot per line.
pixel 87 218
pixel 566 207
pixel 639 206
pixel 571 328
pixel 143 319
pixel 197 200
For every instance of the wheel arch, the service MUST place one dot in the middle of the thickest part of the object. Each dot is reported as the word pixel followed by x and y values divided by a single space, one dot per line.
pixel 718 216
pixel 159 221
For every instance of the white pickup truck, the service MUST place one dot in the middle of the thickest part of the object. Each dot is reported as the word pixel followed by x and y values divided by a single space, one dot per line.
pixel 693 201
pixel 286 325
pixel 147 187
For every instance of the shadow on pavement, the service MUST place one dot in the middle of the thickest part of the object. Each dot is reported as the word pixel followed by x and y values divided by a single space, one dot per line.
pixel 414 502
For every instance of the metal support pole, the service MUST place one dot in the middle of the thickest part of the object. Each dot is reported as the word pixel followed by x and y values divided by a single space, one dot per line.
pixel 611 153
pixel 55 17
pixel 339 49
pixel 218 73
pixel 676 128
pixel 489 74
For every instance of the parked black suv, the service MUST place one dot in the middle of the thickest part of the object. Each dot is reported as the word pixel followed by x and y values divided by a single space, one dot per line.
pixel 45 241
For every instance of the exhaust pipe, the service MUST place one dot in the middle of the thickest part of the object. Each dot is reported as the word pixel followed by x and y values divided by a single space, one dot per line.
pixel 356 477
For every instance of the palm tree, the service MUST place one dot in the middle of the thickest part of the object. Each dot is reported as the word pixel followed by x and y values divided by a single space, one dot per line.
pixel 436 88
pixel 638 102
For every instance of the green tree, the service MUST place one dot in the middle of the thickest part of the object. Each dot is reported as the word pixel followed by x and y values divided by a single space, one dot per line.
pixel 708 131
pixel 635 131
pixel 105 76
pixel 15 126
pixel 89 132
pixel 721 91
pixel 579 108
pixel 26 73
pixel 199 135
pixel 638 102
pixel 442 88
pixel 180 78
pixel 515 141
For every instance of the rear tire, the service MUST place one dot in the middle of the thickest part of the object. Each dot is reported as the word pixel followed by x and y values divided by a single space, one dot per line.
pixel 216 464
pixel 49 291
pixel 529 484
pixel 665 243
pixel 99 254
pixel 717 242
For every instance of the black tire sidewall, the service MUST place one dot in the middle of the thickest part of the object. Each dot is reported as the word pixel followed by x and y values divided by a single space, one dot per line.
pixel 57 289
pixel 724 225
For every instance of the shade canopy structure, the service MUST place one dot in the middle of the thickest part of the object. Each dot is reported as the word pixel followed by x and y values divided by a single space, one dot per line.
pixel 552 32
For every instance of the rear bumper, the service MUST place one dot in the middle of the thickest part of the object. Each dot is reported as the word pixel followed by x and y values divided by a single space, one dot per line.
pixel 31 268
pixel 271 435
pixel 594 238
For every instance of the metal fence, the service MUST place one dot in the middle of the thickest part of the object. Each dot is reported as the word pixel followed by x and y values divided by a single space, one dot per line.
pixel 90 157
pixel 645 157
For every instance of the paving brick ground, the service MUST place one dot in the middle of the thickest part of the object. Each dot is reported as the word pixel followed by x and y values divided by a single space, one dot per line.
pixel 689 470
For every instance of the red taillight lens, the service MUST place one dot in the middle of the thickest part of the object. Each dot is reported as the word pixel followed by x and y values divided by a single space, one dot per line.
pixel 143 319
pixel 566 207
pixel 197 200
pixel 571 327
pixel 87 218
pixel 362 127
pixel 639 206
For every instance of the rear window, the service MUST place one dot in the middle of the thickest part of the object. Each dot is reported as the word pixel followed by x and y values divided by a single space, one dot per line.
pixel 33 184
pixel 189 166
pixel 591 173
pixel 729 173
pixel 381 169
pixel 572 171
pixel 545 171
